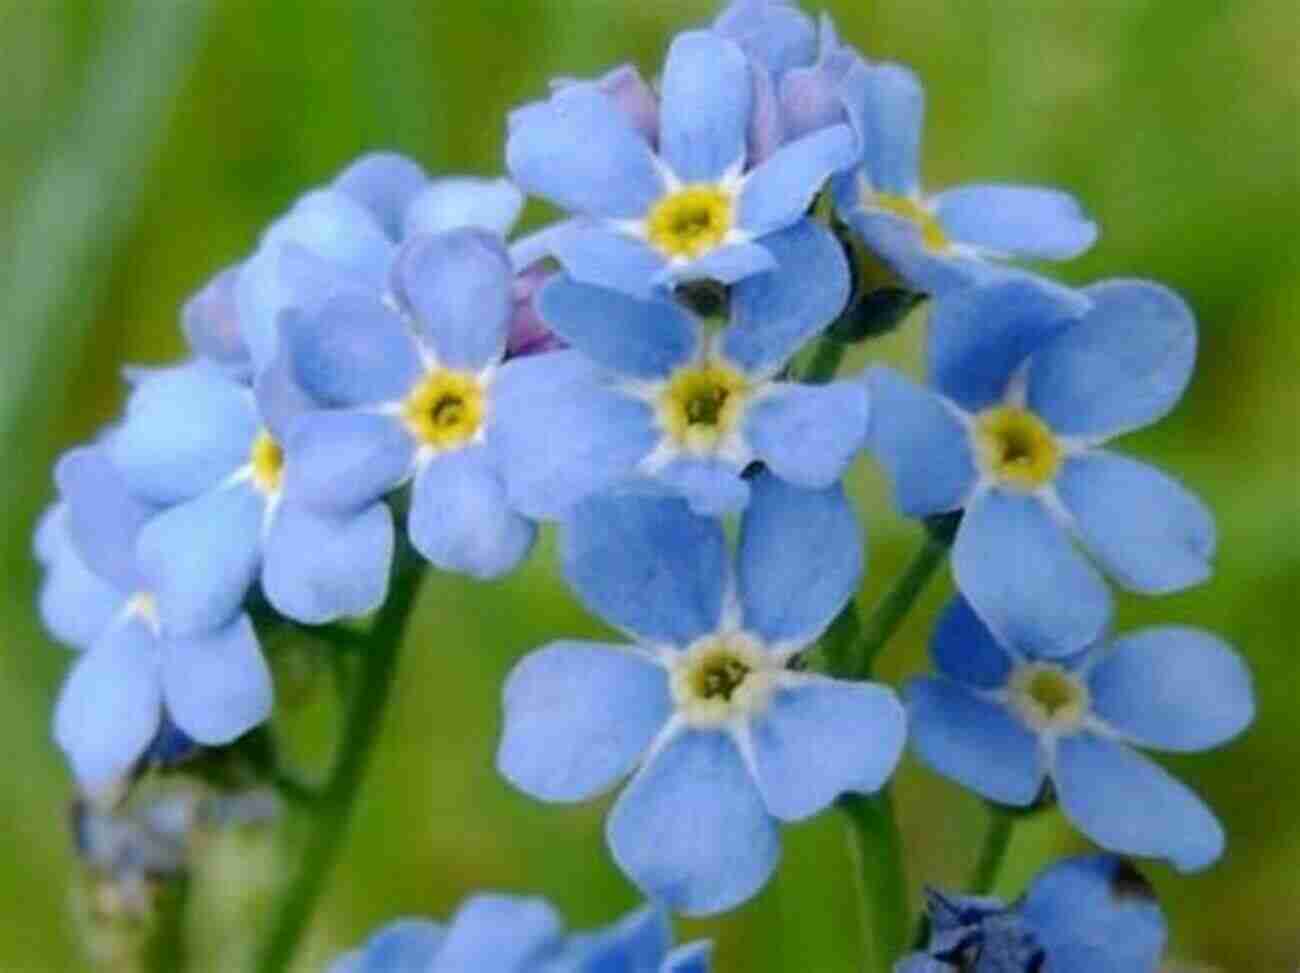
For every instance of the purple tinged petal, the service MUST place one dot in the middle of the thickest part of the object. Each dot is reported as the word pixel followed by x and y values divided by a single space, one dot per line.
pixel 210 320
pixel 631 94
pixel 707 99
pixel 779 192
pixel 766 125
pixel 529 334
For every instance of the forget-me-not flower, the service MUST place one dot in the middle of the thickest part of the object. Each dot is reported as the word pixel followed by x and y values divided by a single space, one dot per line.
pixel 1003 723
pixel 412 394
pixel 213 686
pixel 647 394
pixel 940 242
pixel 689 205
pixel 723 738
pixel 1026 394
pixel 1091 914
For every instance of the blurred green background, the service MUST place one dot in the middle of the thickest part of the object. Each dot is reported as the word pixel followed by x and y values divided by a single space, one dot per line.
pixel 143 143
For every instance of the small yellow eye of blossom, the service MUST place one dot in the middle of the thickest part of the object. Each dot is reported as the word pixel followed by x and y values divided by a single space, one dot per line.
pixel 701 405
pixel 446 410
pixel 1049 697
pixel 690 222
pixel 932 235
pixel 1017 447
pixel 144 606
pixel 267 460
pixel 721 677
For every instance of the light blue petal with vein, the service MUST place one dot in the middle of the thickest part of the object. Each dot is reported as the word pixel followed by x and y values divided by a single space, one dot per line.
pixel 799 560
pixel 217 687
pixel 403 946
pixel 823 739
pixel 1022 221
pixel 1123 368
pixel 1148 531
pixel 779 192
pixel 458 284
pixel 1024 578
pixel 1128 804
pixel 342 462
pixel 899 244
pixel 186 430
pixel 1173 688
pixel 200 558
pixel 774 314
pixel 963 649
pixel 103 516
pixel 809 434
pixel 980 336
pixel 705 106
pixel 712 487
pixel 603 258
pixel 319 569
pixel 637 943
pixel 775 33
pixel 386 184
pixel 643 339
pixel 579 716
pixel 648 565
pixel 973 741
pixel 615 176
pixel 76 604
pixel 889 101
pixel 691 830
pixel 728 264
pixel 503 933
pixel 109 708
pixel 448 204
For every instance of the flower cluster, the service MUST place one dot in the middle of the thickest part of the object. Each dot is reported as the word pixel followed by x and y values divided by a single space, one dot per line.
pixel 388 377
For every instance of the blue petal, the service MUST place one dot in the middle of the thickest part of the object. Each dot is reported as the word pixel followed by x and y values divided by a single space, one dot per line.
pixel 1173 688
pixel 1089 917
pixel 200 558
pixel 974 742
pixel 898 242
pixel 460 520
pixel 1147 531
pixel 691 830
pixel 824 738
pixel 449 204
pixel 1126 803
pixel 921 443
pixel 692 958
pixel 728 264
pixel 280 397
pixel 386 184
pixel 109 708
pixel 1024 578
pixel 637 943
pixel 458 284
pixel 712 487
pixel 562 434
pixel 980 336
pixel 352 351
pixel 964 649
pixel 579 716
pixel 403 946
pixel 604 258
pixel 103 517
pixel 808 434
pixel 341 462
pixel 501 933
pixel 320 569
pixel 779 192
pixel 778 35
pixel 1022 221
pixel 614 176
pixel 890 106
pixel 76 604
pixel 705 107
pixel 647 565
pixel 217 687
pixel 186 430
pixel 644 339
pixel 799 561
pixel 1125 366
pixel 775 314
pixel 210 321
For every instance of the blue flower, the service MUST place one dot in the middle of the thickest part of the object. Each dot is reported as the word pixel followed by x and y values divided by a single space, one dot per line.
pixel 941 242
pixel 1092 914
pixel 645 395
pixel 210 320
pixel 213 686
pixel 1028 388
pixel 510 934
pixel 412 394
pixel 689 205
pixel 210 451
pixel 723 738
pixel 1003 723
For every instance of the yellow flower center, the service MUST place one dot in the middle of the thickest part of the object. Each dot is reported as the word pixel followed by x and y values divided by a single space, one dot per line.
pixel 1017 447
pixel 1048 696
pixel 267 460
pixel 144 606
pixel 721 677
pixel 690 222
pixel 932 235
pixel 446 409
pixel 701 404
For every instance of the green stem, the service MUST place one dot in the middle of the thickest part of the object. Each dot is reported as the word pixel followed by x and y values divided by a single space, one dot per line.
pixel 166 949
pixel 877 850
pixel 828 355
pixel 997 839
pixel 334 809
